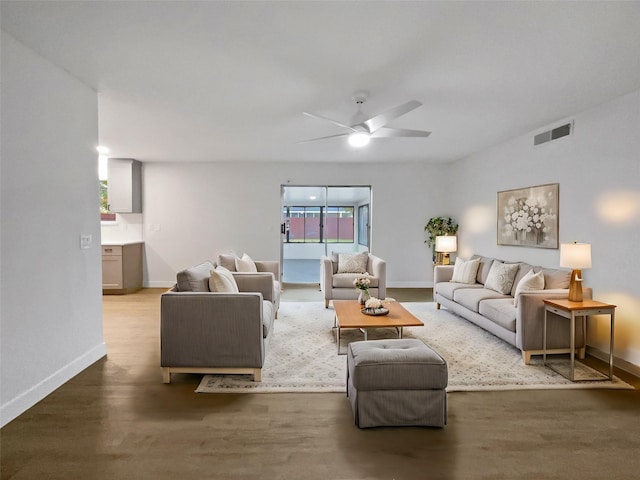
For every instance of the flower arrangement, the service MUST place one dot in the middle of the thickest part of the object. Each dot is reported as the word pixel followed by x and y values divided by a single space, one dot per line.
pixel 375 306
pixel 373 302
pixel 362 283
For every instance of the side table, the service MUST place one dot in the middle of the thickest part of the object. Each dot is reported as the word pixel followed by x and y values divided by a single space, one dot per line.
pixel 571 310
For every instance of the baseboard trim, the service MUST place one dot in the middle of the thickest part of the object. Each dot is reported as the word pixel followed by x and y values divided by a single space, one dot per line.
pixel 23 402
pixel 410 285
pixel 159 284
pixel 617 361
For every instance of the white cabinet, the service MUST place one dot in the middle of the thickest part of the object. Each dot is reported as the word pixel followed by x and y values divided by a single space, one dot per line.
pixel 124 184
pixel 121 268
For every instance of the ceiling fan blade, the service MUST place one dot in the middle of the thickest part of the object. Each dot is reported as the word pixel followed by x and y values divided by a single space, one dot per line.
pixel 320 117
pixel 324 138
pixel 386 132
pixel 380 120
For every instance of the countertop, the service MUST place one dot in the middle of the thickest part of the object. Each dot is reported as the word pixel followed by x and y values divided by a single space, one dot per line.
pixel 120 244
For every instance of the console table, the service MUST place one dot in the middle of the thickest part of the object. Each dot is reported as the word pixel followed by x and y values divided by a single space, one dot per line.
pixel 571 310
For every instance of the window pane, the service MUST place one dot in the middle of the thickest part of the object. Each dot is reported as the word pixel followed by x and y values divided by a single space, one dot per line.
pixel 363 225
pixel 312 224
pixel 296 224
pixel 339 225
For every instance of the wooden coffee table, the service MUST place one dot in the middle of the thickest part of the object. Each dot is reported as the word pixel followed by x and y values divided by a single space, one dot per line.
pixel 348 315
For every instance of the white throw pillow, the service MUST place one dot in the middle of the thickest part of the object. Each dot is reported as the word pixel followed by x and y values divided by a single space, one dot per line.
pixel 222 280
pixel 245 264
pixel 352 262
pixel 465 271
pixel 531 281
pixel 501 277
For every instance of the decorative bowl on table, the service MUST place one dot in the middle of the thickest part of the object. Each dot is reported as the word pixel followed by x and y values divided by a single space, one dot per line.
pixel 375 311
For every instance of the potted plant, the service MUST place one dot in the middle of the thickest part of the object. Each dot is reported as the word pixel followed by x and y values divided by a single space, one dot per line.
pixel 439 226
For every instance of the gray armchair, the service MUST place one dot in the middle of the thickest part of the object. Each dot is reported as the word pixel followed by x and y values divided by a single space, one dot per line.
pixel 340 286
pixel 215 332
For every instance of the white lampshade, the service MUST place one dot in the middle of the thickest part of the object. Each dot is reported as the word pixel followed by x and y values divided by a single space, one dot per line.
pixel 446 244
pixel 575 256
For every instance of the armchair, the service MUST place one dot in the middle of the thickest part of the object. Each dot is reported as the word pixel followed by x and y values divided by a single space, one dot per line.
pixel 339 286
pixel 215 332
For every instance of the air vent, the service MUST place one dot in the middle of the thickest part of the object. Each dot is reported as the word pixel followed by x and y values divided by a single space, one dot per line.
pixel 558 132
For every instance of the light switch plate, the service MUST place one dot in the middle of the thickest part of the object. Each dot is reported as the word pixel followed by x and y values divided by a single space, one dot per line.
pixel 86 240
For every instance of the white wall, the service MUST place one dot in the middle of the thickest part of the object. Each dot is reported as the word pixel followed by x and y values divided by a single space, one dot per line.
pixel 51 315
pixel 598 170
pixel 195 211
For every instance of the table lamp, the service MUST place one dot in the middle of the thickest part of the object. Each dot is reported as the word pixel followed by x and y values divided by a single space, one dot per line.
pixel 445 244
pixel 575 256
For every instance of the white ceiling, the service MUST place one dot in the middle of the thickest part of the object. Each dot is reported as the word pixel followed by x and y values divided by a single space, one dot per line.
pixel 228 81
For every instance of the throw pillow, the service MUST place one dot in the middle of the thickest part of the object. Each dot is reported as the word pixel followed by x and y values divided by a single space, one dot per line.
pixel 222 280
pixel 352 262
pixel 501 277
pixel 245 264
pixel 465 271
pixel 228 261
pixel 531 281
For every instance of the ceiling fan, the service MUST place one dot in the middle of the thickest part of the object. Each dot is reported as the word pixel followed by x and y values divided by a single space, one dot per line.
pixel 362 129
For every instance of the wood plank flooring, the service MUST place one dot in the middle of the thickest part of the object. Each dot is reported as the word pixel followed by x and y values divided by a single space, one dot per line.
pixel 117 420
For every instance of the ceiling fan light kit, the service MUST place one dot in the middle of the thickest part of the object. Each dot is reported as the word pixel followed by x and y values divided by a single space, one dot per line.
pixel 359 139
pixel 363 129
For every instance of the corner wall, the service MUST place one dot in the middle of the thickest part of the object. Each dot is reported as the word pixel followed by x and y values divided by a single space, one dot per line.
pixel 598 170
pixel 51 308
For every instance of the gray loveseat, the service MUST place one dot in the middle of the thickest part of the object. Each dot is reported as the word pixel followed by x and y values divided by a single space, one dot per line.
pixel 521 325
pixel 215 332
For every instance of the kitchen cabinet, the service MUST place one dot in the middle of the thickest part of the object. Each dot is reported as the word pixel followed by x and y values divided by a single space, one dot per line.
pixel 121 268
pixel 124 185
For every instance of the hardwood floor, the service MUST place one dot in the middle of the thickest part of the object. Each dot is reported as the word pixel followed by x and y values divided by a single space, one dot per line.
pixel 117 420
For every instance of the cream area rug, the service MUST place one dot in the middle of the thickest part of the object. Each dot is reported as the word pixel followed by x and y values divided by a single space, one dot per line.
pixel 302 355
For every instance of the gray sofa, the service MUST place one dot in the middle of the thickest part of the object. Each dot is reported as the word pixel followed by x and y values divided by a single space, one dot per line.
pixel 521 325
pixel 215 332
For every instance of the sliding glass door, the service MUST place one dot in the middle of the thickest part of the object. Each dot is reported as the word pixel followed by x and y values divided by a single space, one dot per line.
pixel 320 220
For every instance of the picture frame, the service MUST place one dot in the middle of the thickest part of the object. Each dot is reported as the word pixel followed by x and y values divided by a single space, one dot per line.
pixel 529 217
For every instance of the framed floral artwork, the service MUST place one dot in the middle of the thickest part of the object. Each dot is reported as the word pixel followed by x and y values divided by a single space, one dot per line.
pixel 529 216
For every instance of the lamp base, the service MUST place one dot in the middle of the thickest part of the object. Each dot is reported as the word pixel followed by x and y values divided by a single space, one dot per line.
pixel 575 286
pixel 443 258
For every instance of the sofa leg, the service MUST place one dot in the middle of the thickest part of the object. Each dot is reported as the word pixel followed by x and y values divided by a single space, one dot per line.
pixel 257 375
pixel 526 357
pixel 437 306
pixel 326 303
pixel 166 375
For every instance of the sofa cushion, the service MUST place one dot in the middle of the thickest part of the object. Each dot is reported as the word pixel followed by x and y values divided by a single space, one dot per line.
pixel 464 271
pixel 228 261
pixel 345 280
pixel 352 262
pixel 267 317
pixel 446 289
pixel 195 279
pixel 471 297
pixel 483 268
pixel 554 278
pixel 245 264
pixel 501 277
pixel 530 281
pixel 500 311
pixel 221 280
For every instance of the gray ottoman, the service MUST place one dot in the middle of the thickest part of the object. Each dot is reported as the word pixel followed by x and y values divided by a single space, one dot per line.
pixel 395 383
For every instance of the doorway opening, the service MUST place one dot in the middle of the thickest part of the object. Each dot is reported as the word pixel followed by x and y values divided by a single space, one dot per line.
pixel 319 220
